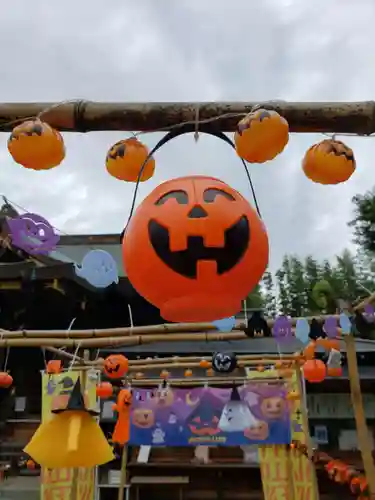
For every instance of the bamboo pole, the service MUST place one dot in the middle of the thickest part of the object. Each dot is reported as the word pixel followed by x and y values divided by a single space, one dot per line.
pixel 215 380
pixel 360 418
pixel 84 116
pixel 166 329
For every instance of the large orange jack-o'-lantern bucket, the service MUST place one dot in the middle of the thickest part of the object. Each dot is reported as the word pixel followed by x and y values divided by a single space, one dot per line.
pixel 195 248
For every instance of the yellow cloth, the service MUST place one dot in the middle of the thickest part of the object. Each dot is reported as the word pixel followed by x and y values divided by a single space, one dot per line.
pixel 49 446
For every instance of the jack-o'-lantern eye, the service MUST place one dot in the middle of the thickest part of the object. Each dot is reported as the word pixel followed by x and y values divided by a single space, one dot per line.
pixel 180 196
pixel 210 195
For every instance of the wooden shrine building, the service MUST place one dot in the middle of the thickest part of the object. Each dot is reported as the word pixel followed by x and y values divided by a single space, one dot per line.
pixel 44 293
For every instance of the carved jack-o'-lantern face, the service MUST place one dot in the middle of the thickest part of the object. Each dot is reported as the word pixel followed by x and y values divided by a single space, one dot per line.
pixel 257 432
pixel 143 417
pixel 192 239
pixel 116 366
pixel 273 408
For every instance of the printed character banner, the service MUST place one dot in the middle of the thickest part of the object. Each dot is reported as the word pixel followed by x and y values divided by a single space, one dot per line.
pixel 252 414
pixel 57 483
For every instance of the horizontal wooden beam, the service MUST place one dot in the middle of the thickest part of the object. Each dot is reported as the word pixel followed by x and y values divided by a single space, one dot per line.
pixel 85 116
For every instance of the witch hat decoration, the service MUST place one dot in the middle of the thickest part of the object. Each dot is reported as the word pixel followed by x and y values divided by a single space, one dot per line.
pixel 76 401
pixel 235 395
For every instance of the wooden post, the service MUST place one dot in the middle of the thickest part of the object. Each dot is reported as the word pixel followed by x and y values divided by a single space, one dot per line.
pixel 359 413
pixel 123 475
pixel 84 116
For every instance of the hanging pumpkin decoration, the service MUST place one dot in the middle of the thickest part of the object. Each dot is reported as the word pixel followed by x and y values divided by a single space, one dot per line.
pixel 35 144
pixel 104 390
pixel 125 159
pixel 30 464
pixel 224 362
pixel 204 363
pixel 54 366
pixel 188 373
pixel 329 162
pixel 164 374
pixel 5 380
pixel 116 366
pixel 202 246
pixel 314 370
pixel 261 136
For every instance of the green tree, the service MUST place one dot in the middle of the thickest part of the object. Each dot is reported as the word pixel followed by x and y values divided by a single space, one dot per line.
pixel 283 286
pixel 297 287
pixel 313 273
pixel 363 223
pixel 255 299
pixel 270 307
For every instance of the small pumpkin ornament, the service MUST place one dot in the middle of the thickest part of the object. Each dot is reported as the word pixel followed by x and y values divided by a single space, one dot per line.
pixel 116 366
pixel 30 464
pixel 261 136
pixel 5 380
pixel 188 373
pixel 329 162
pixel 314 371
pixel 202 246
pixel 36 145
pixel 204 363
pixel 54 366
pixel 125 159
pixel 104 390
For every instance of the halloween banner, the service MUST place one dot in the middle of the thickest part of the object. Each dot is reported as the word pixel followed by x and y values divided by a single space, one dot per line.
pixel 57 483
pixel 252 414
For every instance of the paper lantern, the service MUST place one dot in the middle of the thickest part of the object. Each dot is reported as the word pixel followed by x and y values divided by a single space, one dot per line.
pixel 125 159
pixel 236 415
pixel 104 390
pixel 35 144
pixel 329 162
pixel 54 366
pixel 224 362
pixel 98 268
pixel 203 248
pixel 5 380
pixel 188 373
pixel 261 136
pixel 116 366
pixel 314 371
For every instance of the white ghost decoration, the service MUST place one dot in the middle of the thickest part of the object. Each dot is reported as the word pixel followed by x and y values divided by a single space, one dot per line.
pixel 236 415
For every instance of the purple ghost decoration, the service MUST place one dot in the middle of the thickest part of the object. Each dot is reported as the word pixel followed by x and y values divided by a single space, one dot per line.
pixel 33 234
pixel 330 327
pixel 282 329
pixel 369 313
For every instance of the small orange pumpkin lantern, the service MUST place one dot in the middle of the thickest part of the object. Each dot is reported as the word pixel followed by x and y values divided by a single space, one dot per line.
pixel 30 464
pixel 35 144
pixel 116 366
pixel 125 159
pixel 329 162
pixel 54 366
pixel 314 370
pixel 188 373
pixel 210 372
pixel 164 374
pixel 261 136
pixel 5 380
pixel 197 239
pixel 104 390
pixel 204 363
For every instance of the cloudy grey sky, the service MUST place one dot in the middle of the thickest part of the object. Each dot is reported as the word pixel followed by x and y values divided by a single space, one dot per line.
pixel 189 50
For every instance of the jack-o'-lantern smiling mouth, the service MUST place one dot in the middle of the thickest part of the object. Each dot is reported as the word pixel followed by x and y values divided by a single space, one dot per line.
pixel 184 262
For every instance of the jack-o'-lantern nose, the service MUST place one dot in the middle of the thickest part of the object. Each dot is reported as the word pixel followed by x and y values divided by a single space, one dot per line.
pixel 197 212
